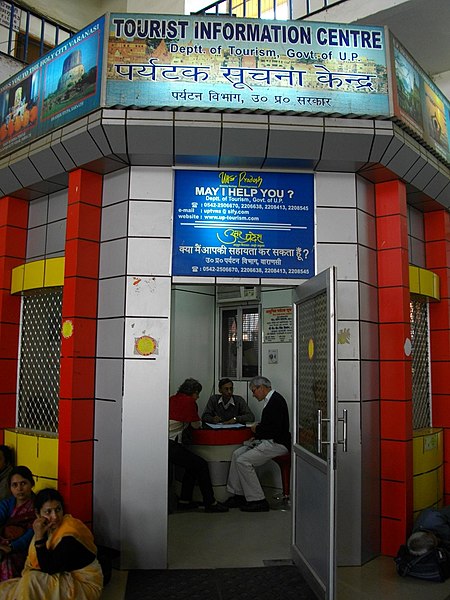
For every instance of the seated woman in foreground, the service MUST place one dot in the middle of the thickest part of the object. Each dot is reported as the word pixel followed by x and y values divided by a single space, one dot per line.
pixel 61 562
pixel 16 522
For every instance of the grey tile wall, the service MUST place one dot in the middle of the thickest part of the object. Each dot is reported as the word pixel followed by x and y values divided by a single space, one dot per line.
pixel 47 218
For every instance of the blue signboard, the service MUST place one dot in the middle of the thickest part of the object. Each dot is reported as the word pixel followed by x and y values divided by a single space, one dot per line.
pixel 223 63
pixel 243 224
pixel 419 103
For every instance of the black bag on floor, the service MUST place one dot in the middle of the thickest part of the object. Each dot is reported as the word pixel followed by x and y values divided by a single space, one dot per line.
pixel 432 566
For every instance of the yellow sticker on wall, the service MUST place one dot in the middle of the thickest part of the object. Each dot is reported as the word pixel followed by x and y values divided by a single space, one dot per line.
pixel 145 345
pixel 67 329
pixel 311 349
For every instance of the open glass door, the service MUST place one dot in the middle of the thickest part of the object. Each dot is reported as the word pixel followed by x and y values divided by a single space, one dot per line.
pixel 314 456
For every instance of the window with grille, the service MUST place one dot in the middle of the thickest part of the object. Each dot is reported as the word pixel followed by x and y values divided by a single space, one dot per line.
pixel 420 364
pixel 40 345
pixel 240 342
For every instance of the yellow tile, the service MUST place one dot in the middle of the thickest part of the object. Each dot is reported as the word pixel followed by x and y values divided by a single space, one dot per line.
pixel 426 490
pixel 34 275
pixel 27 451
pixel 17 279
pixel 54 272
pixel 426 282
pixel 48 457
pixel 428 451
pixel 436 287
pixel 414 287
pixel 43 482
pixel 11 441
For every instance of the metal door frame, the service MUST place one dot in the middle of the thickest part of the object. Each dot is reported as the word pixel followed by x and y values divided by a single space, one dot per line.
pixel 324 281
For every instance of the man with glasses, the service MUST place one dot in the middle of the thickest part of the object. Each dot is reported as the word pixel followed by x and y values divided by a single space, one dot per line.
pixel 272 438
pixel 227 408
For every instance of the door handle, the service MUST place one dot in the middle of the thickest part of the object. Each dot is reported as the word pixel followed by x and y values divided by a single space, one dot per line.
pixel 320 420
pixel 344 422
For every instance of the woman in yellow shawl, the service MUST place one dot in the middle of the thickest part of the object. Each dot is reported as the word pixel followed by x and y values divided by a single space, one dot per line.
pixel 61 562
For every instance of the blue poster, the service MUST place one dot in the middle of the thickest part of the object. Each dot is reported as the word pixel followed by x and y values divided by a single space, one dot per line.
pixel 61 87
pixel 247 224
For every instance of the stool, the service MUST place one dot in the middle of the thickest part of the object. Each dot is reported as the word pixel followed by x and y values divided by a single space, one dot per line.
pixel 284 462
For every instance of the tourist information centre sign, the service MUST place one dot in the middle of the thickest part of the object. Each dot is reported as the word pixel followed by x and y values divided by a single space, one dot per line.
pixel 219 63
pixel 243 224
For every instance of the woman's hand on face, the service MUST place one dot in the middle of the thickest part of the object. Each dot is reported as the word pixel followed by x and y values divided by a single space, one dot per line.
pixel 40 527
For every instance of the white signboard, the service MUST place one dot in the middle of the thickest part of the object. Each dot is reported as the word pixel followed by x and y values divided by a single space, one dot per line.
pixel 277 324
pixel 5 16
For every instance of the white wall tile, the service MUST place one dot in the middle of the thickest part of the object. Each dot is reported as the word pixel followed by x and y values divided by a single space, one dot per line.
pixel 365 195
pixel 347 300
pixel 415 223
pixel 366 230
pixel 152 219
pixel 115 187
pixel 110 338
pixel 335 189
pixel 369 341
pixel 336 225
pixel 348 339
pixel 158 329
pixel 148 296
pixel 36 239
pixel 144 465
pixel 109 379
pixel 368 302
pixel 348 380
pixel 111 297
pixel 367 265
pixel 107 472
pixel 37 212
pixel 114 221
pixel 151 183
pixel 56 237
pixel 149 256
pixel 57 206
pixel 343 256
pixel 113 258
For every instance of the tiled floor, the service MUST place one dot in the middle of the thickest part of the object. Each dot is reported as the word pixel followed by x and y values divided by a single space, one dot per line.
pixel 198 540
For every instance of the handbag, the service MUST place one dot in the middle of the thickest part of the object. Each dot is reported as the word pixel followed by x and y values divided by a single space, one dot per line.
pixel 434 565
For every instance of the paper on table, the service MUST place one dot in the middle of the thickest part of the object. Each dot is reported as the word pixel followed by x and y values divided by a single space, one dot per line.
pixel 225 426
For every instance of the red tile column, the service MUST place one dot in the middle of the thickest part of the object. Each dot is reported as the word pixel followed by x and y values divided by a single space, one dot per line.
pixel 13 241
pixel 437 252
pixel 395 365
pixel 79 329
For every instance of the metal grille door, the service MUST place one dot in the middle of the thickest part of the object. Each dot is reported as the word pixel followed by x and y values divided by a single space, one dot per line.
pixel 40 346
pixel 420 364
pixel 312 371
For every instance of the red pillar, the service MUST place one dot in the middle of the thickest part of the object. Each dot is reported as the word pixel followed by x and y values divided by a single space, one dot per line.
pixel 437 252
pixel 13 242
pixel 78 344
pixel 395 365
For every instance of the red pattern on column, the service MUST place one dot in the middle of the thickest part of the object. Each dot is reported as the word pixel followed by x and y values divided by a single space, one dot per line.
pixel 395 365
pixel 79 320
pixel 437 252
pixel 13 241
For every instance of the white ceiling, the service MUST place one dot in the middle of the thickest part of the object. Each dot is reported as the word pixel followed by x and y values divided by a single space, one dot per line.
pixel 423 27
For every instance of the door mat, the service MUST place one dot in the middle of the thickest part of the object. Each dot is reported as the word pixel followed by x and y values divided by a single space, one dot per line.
pixel 263 583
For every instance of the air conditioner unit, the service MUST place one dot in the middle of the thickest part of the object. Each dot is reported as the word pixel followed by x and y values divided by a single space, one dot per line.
pixel 237 293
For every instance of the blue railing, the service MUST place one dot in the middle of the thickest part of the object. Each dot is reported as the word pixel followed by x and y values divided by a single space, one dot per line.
pixel 277 9
pixel 26 35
